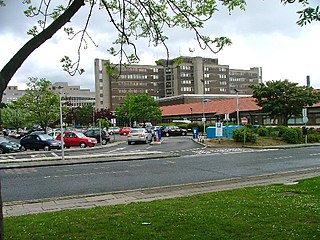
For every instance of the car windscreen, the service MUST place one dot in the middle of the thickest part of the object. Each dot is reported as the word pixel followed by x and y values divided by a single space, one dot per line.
pixel 81 135
pixel 45 137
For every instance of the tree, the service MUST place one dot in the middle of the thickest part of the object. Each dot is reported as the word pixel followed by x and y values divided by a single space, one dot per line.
pixel 283 99
pixel 13 117
pixel 40 103
pixel 133 20
pixel 140 108
pixel 85 114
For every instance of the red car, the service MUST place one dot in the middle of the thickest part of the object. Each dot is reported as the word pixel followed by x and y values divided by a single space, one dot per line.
pixel 74 138
pixel 125 131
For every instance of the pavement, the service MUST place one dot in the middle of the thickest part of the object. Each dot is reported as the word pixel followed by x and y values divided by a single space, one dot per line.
pixel 138 195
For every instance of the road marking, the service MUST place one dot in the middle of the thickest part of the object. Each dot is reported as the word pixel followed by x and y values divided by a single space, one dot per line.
pixel 86 174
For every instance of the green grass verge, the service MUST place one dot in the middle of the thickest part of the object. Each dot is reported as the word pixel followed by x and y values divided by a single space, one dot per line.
pixel 271 212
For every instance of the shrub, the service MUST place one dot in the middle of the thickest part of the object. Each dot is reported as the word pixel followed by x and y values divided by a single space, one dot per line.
pixel 274 134
pixel 238 135
pixel 313 138
pixel 262 131
pixel 281 130
pixel 291 136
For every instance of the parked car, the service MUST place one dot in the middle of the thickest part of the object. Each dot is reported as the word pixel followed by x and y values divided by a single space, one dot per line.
pixel 139 135
pixel 98 134
pixel 75 138
pixel 173 131
pixel 125 131
pixel 153 128
pixel 113 130
pixel 54 133
pixel 39 141
pixel 7 146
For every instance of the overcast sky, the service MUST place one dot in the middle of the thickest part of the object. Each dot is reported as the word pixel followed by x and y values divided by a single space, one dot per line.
pixel 265 35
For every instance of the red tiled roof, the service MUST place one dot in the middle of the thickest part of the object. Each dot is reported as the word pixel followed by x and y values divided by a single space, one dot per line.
pixel 218 106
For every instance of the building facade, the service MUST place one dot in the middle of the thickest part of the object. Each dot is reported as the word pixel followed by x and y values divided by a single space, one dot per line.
pixel 169 78
pixel 12 93
pixel 76 96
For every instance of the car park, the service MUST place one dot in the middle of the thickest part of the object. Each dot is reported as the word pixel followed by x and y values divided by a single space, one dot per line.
pixel 125 131
pixel 39 141
pixel 75 138
pixel 7 146
pixel 99 134
pixel 139 135
pixel 173 131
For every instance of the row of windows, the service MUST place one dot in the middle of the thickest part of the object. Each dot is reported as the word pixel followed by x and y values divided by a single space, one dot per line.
pixel 184 67
pixel 186 81
pixel 134 76
pixel 140 91
pixel 232 79
pixel 137 84
pixel 186 89
pixel 186 74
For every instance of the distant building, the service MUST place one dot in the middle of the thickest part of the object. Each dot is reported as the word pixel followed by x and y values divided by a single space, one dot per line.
pixel 76 96
pixel 73 94
pixel 12 93
pixel 192 75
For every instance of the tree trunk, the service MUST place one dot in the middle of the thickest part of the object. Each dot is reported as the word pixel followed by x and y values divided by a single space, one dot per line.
pixel 18 59
pixel 1 216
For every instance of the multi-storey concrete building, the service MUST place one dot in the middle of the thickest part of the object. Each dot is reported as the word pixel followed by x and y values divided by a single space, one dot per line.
pixel 185 75
pixel 73 94
pixel 12 93
pixel 76 96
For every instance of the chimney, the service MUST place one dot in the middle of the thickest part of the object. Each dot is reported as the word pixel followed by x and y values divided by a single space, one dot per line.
pixel 308 81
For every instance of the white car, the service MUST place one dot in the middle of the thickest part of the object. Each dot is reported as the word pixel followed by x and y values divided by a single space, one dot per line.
pixel 113 130
pixel 139 135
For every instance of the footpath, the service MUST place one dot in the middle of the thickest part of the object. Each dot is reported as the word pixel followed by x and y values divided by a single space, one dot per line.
pixel 138 195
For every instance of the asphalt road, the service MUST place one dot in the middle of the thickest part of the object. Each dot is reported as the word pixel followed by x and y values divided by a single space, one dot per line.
pixel 197 165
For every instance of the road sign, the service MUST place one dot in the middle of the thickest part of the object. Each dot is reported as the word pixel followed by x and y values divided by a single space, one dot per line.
pixel 244 120
pixel 203 119
pixel 219 127
pixel 305 119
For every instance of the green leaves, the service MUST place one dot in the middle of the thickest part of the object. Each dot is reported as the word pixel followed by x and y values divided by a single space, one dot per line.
pixel 140 108
pixel 283 98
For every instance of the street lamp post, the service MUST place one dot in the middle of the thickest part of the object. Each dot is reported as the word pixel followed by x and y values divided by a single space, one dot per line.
pixel 203 112
pixel 61 124
pixel 237 106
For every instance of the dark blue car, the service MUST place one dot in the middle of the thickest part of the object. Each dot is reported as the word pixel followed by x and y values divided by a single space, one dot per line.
pixel 7 146
pixel 39 141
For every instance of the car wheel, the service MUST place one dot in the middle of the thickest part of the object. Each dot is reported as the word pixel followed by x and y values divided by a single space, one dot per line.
pixel 46 148
pixel 184 133
pixel 129 143
pixel 68 147
pixel 104 142
pixel 167 134
pixel 83 145
pixel 1 151
pixel 124 134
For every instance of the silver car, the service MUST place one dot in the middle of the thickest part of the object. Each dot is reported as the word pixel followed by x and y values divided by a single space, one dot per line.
pixel 139 135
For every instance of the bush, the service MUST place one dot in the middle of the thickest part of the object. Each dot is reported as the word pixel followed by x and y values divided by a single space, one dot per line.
pixel 274 134
pixel 291 136
pixel 280 129
pixel 238 135
pixel 263 132
pixel 314 138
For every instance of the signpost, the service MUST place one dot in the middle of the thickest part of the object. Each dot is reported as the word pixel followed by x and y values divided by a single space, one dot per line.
pixel 219 130
pixel 305 120
pixel 244 121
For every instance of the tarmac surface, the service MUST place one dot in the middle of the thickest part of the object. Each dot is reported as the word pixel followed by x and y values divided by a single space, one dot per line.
pixel 139 195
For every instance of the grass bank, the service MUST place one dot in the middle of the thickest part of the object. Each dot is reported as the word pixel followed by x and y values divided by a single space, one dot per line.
pixel 271 212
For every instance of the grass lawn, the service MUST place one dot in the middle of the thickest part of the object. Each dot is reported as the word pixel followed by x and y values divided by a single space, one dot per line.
pixel 271 212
